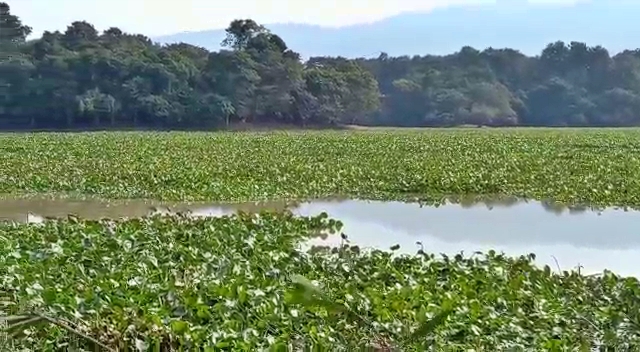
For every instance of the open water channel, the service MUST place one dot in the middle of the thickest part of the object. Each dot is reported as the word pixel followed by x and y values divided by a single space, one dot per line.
pixel 593 240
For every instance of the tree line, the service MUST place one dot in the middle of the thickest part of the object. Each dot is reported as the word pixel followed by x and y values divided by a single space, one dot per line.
pixel 81 78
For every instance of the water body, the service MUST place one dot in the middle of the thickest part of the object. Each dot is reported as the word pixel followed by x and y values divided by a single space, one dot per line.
pixel 593 240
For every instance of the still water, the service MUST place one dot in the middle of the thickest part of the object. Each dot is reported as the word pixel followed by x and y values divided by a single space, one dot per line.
pixel 593 240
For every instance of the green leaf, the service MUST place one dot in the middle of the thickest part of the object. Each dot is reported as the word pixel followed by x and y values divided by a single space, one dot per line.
pixel 430 325
pixel 179 326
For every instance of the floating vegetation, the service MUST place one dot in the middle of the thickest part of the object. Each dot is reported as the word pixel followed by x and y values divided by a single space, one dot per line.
pixel 250 281
pixel 243 282
pixel 598 167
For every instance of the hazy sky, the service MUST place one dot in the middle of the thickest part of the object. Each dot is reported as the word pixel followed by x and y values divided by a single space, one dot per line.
pixel 158 17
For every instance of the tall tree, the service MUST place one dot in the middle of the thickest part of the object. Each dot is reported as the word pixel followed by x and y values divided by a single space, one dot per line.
pixel 240 33
pixel 15 68
pixel 82 78
pixel 12 31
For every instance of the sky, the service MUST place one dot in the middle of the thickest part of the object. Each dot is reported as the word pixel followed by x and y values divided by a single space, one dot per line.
pixel 161 17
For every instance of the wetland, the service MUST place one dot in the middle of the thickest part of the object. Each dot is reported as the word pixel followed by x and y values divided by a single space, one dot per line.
pixel 411 240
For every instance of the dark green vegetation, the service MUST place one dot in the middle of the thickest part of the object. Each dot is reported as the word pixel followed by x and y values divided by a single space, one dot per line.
pixel 234 283
pixel 598 167
pixel 85 79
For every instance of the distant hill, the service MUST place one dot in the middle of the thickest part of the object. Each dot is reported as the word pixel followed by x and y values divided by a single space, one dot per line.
pixel 513 24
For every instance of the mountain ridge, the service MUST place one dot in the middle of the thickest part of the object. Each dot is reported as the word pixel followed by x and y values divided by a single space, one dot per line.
pixel 527 28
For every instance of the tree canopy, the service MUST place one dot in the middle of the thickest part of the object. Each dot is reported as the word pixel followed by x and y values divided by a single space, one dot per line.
pixel 81 78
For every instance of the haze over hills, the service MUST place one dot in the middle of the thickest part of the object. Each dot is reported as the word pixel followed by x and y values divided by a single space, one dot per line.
pixel 513 24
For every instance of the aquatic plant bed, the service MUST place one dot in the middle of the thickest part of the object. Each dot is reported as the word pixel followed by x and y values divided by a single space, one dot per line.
pixel 595 166
pixel 245 282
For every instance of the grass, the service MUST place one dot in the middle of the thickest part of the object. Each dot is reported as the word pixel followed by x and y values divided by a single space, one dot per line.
pixel 594 166
pixel 243 283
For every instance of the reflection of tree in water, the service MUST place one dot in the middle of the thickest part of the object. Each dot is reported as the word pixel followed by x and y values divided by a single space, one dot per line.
pixel 504 202
pixel 559 208
pixel 467 202
pixel 578 209
pixel 553 206
pixel 256 207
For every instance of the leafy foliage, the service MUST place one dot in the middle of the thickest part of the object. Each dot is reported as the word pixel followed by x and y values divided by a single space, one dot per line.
pixel 84 79
pixel 244 282
pixel 594 167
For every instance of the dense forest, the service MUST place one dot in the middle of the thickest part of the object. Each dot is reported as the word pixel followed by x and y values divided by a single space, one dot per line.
pixel 84 79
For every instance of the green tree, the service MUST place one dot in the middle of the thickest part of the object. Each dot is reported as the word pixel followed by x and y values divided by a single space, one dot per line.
pixel 79 33
pixel 240 33
pixel 82 78
pixel 15 68
pixel 12 32
pixel 95 104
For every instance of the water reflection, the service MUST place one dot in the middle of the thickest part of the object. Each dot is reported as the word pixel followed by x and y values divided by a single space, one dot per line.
pixel 609 239
pixel 596 240
pixel 20 210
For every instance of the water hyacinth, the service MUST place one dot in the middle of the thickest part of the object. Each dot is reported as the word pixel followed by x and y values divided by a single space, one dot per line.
pixel 592 166
pixel 251 282
pixel 244 282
